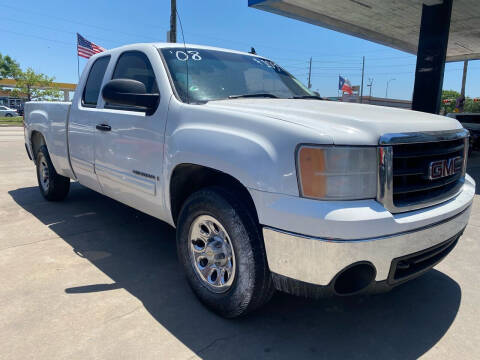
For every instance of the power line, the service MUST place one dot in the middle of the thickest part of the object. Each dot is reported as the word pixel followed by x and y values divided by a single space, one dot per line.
pixel 70 21
pixel 37 37
pixel 61 30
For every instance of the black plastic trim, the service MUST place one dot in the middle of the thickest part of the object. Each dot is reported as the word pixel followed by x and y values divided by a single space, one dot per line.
pixel 133 108
pixel 28 152
pixel 433 255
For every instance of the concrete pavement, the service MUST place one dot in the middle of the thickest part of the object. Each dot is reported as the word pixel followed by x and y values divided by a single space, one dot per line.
pixel 90 278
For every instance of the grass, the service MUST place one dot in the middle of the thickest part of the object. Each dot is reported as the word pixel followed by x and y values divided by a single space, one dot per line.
pixel 12 121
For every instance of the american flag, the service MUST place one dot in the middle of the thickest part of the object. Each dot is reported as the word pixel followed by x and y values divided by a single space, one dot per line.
pixel 86 48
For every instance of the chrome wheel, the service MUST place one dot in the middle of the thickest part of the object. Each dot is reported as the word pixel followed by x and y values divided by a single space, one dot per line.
pixel 43 173
pixel 211 253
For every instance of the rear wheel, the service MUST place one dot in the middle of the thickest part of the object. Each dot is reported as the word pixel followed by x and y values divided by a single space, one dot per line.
pixel 52 186
pixel 8 115
pixel 221 249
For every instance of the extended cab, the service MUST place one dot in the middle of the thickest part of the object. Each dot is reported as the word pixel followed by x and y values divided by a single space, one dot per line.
pixel 268 185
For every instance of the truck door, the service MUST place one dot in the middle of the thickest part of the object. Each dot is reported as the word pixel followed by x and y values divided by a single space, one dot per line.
pixel 81 125
pixel 129 143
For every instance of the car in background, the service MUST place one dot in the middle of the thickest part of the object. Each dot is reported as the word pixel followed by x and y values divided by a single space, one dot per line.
pixel 6 111
pixel 20 110
pixel 471 122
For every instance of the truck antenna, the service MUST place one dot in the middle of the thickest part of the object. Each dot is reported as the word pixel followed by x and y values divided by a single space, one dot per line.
pixel 186 53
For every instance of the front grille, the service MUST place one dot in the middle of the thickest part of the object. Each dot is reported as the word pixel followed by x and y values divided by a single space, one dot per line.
pixel 411 183
pixel 410 266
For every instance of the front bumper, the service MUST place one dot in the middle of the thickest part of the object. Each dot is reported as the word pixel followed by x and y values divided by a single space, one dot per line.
pixel 317 261
pixel 382 238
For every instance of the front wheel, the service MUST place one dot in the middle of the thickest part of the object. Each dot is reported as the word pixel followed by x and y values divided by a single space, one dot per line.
pixel 8 115
pixel 221 249
pixel 52 186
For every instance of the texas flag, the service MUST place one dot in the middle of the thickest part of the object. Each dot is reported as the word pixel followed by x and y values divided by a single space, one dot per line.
pixel 344 85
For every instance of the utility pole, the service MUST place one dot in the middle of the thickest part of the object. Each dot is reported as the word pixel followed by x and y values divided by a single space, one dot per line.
pixel 464 78
pixel 363 74
pixel 310 73
pixel 386 89
pixel 173 21
pixel 370 85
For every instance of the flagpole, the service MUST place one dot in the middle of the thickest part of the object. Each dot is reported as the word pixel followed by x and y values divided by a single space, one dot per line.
pixel 338 90
pixel 78 61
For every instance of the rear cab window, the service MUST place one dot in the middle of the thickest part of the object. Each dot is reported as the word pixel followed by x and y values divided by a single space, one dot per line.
pixel 94 82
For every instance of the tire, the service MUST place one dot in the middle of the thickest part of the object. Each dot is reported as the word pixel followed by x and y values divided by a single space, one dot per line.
pixel 8 115
pixel 52 186
pixel 249 285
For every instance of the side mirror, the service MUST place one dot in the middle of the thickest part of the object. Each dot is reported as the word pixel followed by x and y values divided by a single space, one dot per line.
pixel 131 93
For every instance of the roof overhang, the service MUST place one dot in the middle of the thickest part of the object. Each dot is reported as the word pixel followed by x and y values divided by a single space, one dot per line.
pixel 388 22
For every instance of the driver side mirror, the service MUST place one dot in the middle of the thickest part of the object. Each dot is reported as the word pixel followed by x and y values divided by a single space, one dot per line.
pixel 130 93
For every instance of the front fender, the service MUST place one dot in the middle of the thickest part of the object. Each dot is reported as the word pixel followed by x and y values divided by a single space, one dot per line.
pixel 250 158
pixel 257 150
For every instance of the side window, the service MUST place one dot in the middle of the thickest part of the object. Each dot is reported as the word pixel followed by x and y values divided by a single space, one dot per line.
pixel 136 66
pixel 94 81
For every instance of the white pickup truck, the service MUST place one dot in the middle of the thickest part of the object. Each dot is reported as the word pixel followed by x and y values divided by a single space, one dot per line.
pixel 269 186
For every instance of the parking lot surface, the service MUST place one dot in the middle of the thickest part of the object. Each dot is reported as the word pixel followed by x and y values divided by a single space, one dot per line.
pixel 90 278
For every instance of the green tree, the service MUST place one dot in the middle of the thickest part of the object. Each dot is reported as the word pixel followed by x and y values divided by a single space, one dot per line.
pixel 36 86
pixel 9 68
pixel 472 106
pixel 449 95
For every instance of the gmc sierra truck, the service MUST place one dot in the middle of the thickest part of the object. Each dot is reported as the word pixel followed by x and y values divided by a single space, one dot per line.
pixel 268 186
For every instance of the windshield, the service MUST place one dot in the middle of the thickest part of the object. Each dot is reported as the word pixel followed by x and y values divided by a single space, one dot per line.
pixel 215 75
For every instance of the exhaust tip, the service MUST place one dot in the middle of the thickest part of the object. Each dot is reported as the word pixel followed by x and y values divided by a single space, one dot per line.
pixel 354 278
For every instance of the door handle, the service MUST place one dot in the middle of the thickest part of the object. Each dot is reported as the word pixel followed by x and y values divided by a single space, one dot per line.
pixel 103 127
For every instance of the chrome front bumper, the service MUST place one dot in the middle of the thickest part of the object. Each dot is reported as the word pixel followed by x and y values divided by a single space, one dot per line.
pixel 316 261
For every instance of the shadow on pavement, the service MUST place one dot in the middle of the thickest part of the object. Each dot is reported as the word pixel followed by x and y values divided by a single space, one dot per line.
pixel 138 253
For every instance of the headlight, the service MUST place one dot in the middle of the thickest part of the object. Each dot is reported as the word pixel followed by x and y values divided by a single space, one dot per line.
pixel 337 172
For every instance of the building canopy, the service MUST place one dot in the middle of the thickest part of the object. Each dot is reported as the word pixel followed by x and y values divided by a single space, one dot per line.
pixel 392 23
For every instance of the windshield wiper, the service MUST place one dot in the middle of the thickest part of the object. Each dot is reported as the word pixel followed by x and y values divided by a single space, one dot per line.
pixel 307 97
pixel 267 95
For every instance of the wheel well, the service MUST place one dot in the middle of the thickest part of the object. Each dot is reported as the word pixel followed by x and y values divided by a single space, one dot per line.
pixel 189 178
pixel 37 140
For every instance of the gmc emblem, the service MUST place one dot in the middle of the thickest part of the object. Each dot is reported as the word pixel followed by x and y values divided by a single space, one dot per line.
pixel 441 168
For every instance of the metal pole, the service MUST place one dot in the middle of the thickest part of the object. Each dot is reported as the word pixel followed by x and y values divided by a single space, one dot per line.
pixel 431 56
pixel 78 61
pixel 363 74
pixel 386 90
pixel 310 73
pixel 338 90
pixel 464 78
pixel 173 21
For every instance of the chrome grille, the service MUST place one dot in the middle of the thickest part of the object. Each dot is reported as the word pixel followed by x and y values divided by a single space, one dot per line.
pixel 404 172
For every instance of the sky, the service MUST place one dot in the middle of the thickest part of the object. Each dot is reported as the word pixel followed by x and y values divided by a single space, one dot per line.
pixel 42 35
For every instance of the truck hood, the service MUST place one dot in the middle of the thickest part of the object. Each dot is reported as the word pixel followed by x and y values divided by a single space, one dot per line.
pixel 345 123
